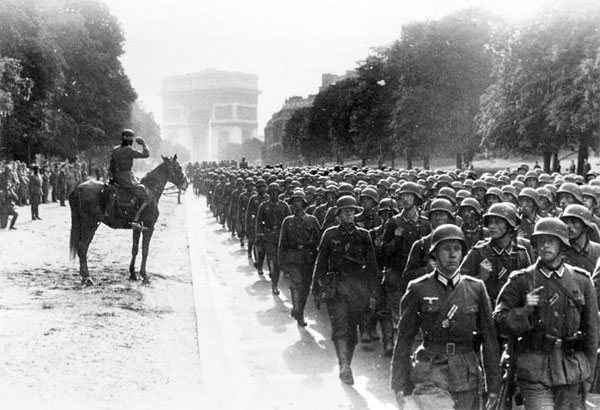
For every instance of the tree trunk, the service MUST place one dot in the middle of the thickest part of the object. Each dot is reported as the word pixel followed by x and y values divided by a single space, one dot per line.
pixel 547 155
pixel 393 160
pixel 363 162
pixel 459 161
pixel 582 154
pixel 555 162
pixel 426 161
pixel 408 158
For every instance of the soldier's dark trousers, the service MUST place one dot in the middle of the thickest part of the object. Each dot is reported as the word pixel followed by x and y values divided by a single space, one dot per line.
pixel 54 191
pixel 539 397
pixel 4 218
pixel 300 277
pixel 259 253
pixel 274 271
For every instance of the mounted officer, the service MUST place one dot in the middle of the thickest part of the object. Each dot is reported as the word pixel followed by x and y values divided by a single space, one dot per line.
pixel 121 163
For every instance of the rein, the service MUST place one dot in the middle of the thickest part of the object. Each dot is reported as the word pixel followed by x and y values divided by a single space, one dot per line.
pixel 153 179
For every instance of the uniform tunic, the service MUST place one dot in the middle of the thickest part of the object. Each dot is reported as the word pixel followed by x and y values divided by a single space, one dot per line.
pixel 551 353
pixel 269 218
pixel 448 312
pixel 504 261
pixel 300 236
pixel 346 252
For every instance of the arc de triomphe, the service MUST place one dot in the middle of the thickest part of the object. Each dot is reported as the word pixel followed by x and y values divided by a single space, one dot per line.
pixel 204 111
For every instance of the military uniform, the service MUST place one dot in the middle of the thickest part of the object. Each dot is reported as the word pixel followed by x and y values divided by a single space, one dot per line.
pixel 300 235
pixel 345 277
pixel 504 261
pixel 269 218
pixel 400 233
pixel 445 371
pixel 243 200
pixel 585 258
pixel 526 226
pixel 558 338
pixel 251 211
pixel 121 165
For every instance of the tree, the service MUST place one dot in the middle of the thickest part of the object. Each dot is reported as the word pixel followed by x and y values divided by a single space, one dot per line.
pixel 443 67
pixel 539 84
pixel 80 96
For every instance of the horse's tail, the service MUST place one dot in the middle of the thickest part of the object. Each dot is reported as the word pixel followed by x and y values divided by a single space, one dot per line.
pixel 75 221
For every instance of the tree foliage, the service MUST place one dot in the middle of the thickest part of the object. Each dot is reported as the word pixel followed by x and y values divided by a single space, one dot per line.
pixel 80 96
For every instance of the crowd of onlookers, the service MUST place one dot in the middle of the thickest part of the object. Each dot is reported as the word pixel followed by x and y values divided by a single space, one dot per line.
pixel 35 184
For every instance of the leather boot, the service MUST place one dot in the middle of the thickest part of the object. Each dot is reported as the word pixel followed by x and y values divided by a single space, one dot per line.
pixel 372 326
pixel 343 355
pixel 299 306
pixel 388 336
pixel 352 342
pixel 365 335
pixel 294 312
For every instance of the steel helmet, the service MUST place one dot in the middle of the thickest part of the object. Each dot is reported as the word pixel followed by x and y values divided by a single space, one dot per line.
pixel 346 201
pixel 462 194
pixel 411 188
pixel 545 193
pixel 530 193
pixel 311 190
pixel 580 212
pixel 504 210
pixel 545 179
pixel 442 205
pixel 346 189
pixel 299 193
pixel 510 190
pixel 490 181
pixel 480 184
pixel 274 186
pixel 571 188
pixel 127 135
pixel 447 193
pixel 457 185
pixel 370 193
pixel 447 232
pixel 261 182
pixel 471 202
pixel 553 227
pixel 385 205
pixel 493 191
pixel 588 190
pixel 532 175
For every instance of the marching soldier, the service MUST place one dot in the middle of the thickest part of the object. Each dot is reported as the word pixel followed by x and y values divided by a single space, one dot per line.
pixel 300 235
pixel 529 203
pixel 582 253
pixel 250 221
pixel 552 309
pixel 345 277
pixel 449 309
pixel 269 218
pixel 400 233
pixel 243 200
pixel 493 259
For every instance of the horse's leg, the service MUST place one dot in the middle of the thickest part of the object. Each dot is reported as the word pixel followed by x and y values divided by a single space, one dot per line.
pixel 147 235
pixel 87 234
pixel 134 251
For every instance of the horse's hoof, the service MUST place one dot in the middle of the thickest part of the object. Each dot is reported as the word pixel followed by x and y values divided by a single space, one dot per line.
pixel 87 282
pixel 145 281
pixel 133 276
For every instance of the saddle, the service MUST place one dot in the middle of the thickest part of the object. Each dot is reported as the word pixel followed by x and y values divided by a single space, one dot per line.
pixel 121 202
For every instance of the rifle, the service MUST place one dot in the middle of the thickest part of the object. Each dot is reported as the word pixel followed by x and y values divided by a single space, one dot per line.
pixel 507 386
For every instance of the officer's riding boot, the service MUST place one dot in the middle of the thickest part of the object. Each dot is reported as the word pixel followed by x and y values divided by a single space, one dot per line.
pixel 388 336
pixel 343 355
pixel 135 224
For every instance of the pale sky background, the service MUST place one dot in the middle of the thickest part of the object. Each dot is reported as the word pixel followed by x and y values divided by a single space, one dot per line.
pixel 288 44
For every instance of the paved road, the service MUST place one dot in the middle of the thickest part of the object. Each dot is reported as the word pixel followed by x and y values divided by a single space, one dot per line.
pixel 252 354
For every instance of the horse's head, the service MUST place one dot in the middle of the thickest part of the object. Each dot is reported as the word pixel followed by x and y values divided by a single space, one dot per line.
pixel 175 174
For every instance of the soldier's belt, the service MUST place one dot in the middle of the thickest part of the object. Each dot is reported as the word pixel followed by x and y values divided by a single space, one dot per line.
pixel 547 343
pixel 449 349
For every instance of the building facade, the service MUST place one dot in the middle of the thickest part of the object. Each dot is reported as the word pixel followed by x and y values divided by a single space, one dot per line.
pixel 207 110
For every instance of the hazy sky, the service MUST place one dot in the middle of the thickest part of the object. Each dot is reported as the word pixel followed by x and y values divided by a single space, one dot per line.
pixel 288 44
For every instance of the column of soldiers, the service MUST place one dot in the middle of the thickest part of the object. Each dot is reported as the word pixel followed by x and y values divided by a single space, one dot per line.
pixel 22 185
pixel 457 269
